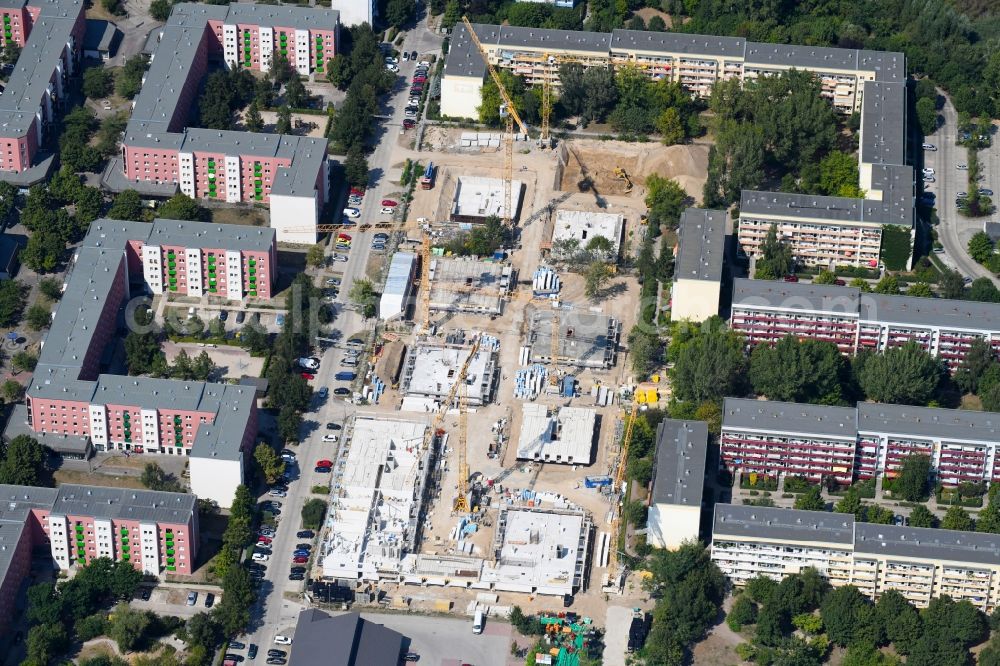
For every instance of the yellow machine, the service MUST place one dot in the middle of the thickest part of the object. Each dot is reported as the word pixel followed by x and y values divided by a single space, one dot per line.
pixel 614 570
pixel 620 174
pixel 462 498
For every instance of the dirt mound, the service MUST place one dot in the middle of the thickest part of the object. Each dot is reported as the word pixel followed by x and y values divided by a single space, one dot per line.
pixel 596 161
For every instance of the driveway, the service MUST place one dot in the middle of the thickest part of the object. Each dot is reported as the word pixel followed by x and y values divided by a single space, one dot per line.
pixel 955 230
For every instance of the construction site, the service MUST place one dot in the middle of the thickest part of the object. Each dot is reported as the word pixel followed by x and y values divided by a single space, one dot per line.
pixel 516 378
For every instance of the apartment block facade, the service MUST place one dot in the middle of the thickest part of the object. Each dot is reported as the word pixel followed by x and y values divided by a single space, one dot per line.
pixel 159 150
pixel 823 231
pixel 50 34
pixel 848 443
pixel 157 532
pixel 919 563
pixel 765 311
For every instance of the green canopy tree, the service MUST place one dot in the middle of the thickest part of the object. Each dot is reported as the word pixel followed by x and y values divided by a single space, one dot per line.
pixel 906 375
pixel 775 260
pixel 710 366
pixel 798 370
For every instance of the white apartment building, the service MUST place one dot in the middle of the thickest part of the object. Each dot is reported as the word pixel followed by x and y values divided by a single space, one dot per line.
pixel 919 563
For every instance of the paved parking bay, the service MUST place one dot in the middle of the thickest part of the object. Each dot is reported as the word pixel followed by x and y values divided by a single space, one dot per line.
pixel 442 641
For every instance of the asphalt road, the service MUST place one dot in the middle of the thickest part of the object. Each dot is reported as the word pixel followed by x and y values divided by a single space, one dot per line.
pixel 955 230
pixel 279 600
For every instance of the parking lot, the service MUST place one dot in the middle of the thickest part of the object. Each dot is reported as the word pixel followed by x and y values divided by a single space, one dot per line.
pixel 449 641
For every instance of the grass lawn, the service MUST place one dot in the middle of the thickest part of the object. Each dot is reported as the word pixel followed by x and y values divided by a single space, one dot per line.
pixel 244 216
pixel 86 478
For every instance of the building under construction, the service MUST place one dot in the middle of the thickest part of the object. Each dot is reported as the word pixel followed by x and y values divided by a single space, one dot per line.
pixel 564 436
pixel 583 340
pixel 463 284
pixel 430 371
pixel 477 198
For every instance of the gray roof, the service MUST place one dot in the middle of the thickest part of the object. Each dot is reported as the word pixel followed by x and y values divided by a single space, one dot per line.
pixel 302 18
pixel 63 444
pixel 833 209
pixel 400 269
pixel 678 42
pixel 223 438
pixel 343 640
pixel 945 424
pixel 927 543
pixel 701 245
pixel 463 56
pixel 681 447
pixel 99 35
pixel 796 296
pixel 883 123
pixel 115 234
pixel 887 65
pixel 299 178
pixel 759 522
pixel 23 94
pixel 124 504
pixel 539 38
pixel 942 312
pixel 760 54
pixel 790 417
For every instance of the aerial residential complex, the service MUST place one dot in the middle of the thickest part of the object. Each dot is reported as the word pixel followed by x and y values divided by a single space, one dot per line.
pixel 848 443
pixel 919 563
pixel 678 484
pixel 156 531
pixel 698 263
pixel 822 231
pixel 72 406
pixel 50 34
pixel 160 153
pixel 766 311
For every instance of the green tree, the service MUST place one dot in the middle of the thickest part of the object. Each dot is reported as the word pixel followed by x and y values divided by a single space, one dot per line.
pixel 889 284
pixel 312 513
pixel 798 370
pixel 155 477
pixel 645 349
pixel 920 516
pixel 899 619
pixel 38 317
pixel 596 279
pixel 850 617
pixel 253 339
pixel 952 284
pixel 984 291
pixel 666 200
pixel 142 353
pixel 128 627
pixel 850 503
pixel 91 626
pixel 316 256
pixel 921 289
pixel 181 207
pixel 44 251
pixel 927 116
pixel 980 246
pixel 51 288
pixel 761 589
pixel 356 166
pixel 12 391
pixel 12 300
pixel 743 612
pixel 46 642
pixel 838 176
pixel 988 519
pixel 735 163
pixel 709 366
pixel 363 295
pixel 253 120
pixel 913 479
pixel 670 127
pixel 902 375
pixel 978 359
pixel 878 514
pixel 203 629
pixel 270 463
pixel 296 95
pixel 24 361
pixel 97 82
pixel 957 518
pixel 25 463
pixel 126 206
pixel 775 260
pixel 129 79
pixel 160 9
pixel 289 424
pixel 811 500
pixel 284 122
pixel 233 612
pixel 825 277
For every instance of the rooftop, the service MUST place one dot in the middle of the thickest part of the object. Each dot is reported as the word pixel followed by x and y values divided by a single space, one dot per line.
pixel 584 226
pixel 952 425
pixel 566 436
pixel 927 543
pixel 400 273
pixel 681 447
pixel 800 296
pixel 343 640
pixel 759 522
pixel 883 123
pixel 431 370
pixel 585 338
pixel 676 42
pixel 477 197
pixel 124 504
pixel 177 233
pixel 872 212
pixel 772 416
pixel 701 245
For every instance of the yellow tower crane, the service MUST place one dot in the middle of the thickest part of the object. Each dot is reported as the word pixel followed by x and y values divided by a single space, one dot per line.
pixel 462 498
pixel 425 281
pixel 509 114
pixel 614 573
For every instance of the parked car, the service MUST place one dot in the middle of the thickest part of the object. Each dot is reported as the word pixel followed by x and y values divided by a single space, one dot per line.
pixel 296 576
pixel 929 146
pixel 791 278
pixel 260 557
pixel 301 553
pixel 192 598
pixel 985 191
pixel 252 652
pixel 413 55
pixel 263 539
pixel 145 593
pixel 345 376
pixel 300 560
pixel 309 362
pixel 276 661
pixel 411 656
pixel 389 202
pixel 210 601
pixel 274 652
pixel 241 317
pixel 233 657
pixel 330 439
pixel 305 534
pixel 297 570
pixel 236 645
pixel 381 236
pixel 341 391
pixel 340 257
pixel 927 171
pixel 388 211
pixel 928 179
pixel 962 167
pixel 323 392
pixel 352 212
pixel 323 470
pixel 409 123
pixel 274 492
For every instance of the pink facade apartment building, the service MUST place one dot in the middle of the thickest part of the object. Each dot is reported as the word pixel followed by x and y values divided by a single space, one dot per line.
pixel 157 532
pixel 288 173
pixel 50 34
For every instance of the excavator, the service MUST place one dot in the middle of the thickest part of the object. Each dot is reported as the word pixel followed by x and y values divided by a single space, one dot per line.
pixel 621 174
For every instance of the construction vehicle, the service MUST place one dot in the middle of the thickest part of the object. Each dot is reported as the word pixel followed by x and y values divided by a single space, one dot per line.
pixel 508 113
pixel 427 180
pixel 621 174
pixel 613 578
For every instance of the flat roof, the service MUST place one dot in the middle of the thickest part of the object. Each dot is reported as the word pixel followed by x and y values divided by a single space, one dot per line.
pixel 701 245
pixel 565 436
pixel 110 233
pixel 476 196
pixel 883 123
pixel 681 448
pixel 124 504
pixel 432 370
pixel 927 543
pixel 816 58
pixel 99 35
pixel 945 424
pixel 585 337
pixel 942 312
pixel 772 523
pixel 223 438
pixel 548 38
pixel 845 210
pixel 463 57
pixel 827 298
pixel 343 640
pixel 678 42
pixel 400 272
pixel 584 225
pixel 789 417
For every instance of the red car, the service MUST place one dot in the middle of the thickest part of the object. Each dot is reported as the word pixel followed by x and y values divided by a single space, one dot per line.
pixel 324 463
pixel 389 202
pixel 264 540
pixel 409 124
pixel 419 79
pixel 791 278
pixel 300 560
pixel 306 376
pixel 358 191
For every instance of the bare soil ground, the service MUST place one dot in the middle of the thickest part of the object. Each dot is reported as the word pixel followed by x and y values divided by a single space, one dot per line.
pixel 116 481
pixel 245 216
pixel 648 12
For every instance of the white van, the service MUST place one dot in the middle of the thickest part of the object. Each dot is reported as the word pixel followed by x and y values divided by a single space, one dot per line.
pixel 477 622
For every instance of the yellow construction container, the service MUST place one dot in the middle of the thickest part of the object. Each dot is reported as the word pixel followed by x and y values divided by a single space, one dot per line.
pixel 442 605
pixel 646 393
